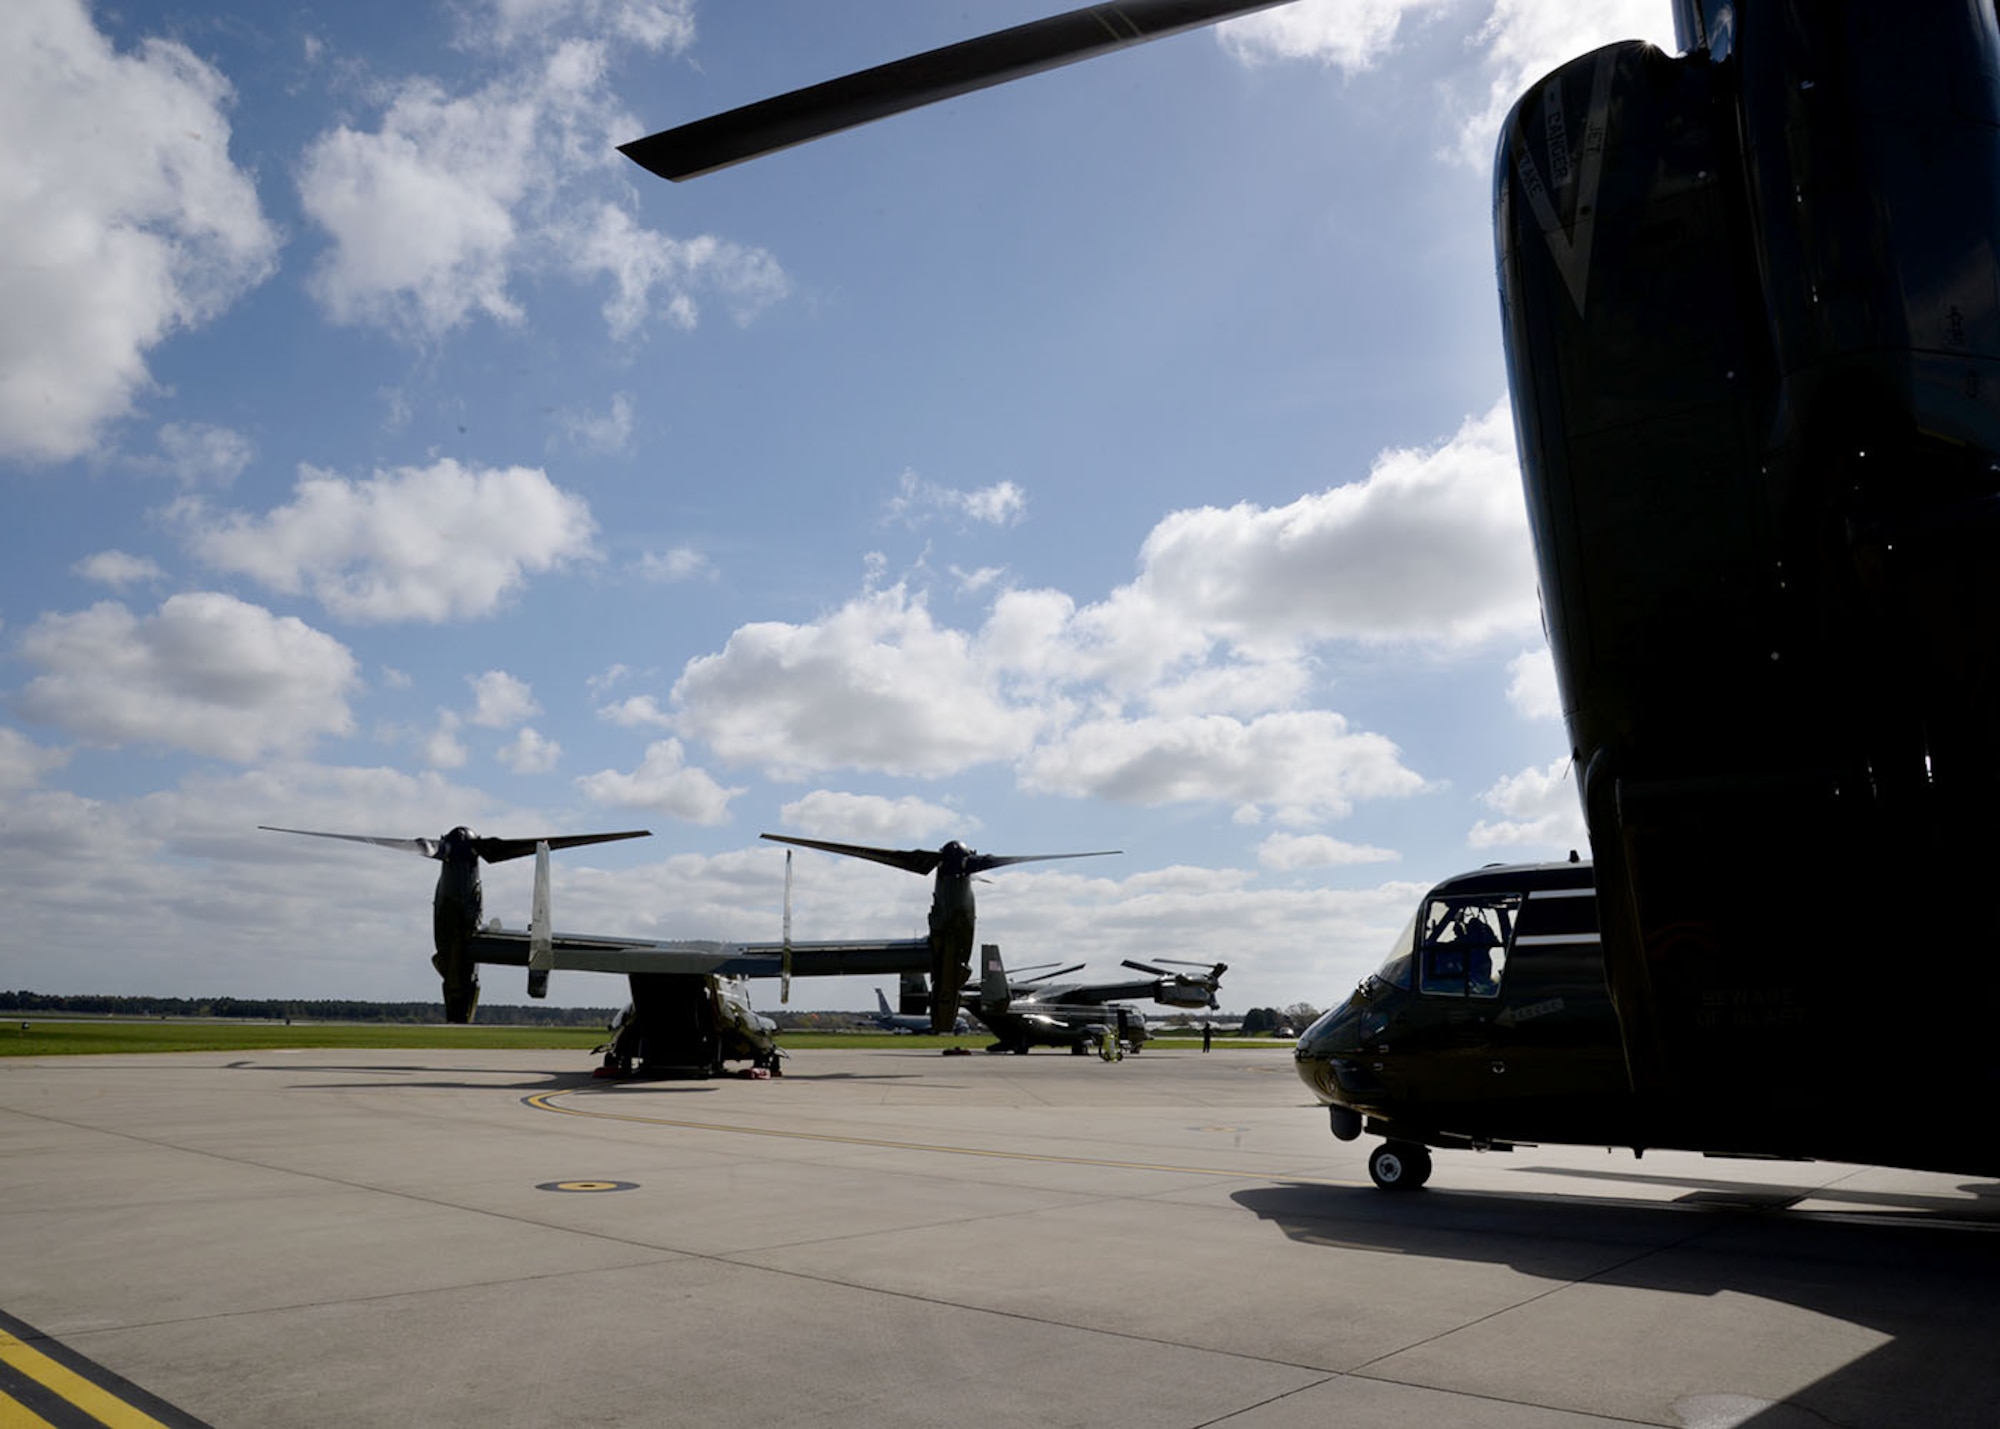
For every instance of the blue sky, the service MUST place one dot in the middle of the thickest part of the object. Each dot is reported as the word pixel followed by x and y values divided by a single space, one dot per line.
pixel 1116 459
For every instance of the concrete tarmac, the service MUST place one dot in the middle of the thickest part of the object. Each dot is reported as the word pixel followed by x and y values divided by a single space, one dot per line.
pixel 889 1238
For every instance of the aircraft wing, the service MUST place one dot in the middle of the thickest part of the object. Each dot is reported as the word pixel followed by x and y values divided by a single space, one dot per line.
pixel 860 957
pixel 582 952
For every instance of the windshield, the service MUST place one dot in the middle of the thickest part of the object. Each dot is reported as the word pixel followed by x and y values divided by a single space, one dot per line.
pixel 1395 969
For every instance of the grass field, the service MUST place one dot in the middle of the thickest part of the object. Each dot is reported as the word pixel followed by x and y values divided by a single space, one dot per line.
pixel 32 1037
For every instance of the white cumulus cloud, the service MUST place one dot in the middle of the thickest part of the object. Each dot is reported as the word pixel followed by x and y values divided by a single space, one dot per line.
pixel 111 246
pixel 530 752
pixel 648 24
pixel 434 214
pixel 500 701
pixel 665 783
pixel 1538 807
pixel 918 501
pixel 200 454
pixel 637 712
pixel 1300 766
pixel 207 673
pixel 23 762
pixel 871 818
pixel 653 274
pixel 418 543
pixel 119 569
pixel 681 563
pixel 1348 35
pixel 878 684
pixel 1432 546
pixel 1287 852
pixel 1531 685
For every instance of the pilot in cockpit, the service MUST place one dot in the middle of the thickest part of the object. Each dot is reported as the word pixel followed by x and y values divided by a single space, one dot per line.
pixel 1477 939
pixel 1459 956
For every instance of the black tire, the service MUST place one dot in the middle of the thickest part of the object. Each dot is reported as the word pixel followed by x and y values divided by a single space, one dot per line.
pixel 1399 1165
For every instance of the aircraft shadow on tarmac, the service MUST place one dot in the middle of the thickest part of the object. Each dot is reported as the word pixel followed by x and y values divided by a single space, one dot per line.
pixel 1921 1272
pixel 379 1078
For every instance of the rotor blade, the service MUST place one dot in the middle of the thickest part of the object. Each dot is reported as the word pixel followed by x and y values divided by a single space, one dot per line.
pixel 785 973
pixel 500 850
pixel 773 124
pixel 1073 967
pixel 1193 963
pixel 1147 968
pixel 427 847
pixel 915 860
pixel 980 862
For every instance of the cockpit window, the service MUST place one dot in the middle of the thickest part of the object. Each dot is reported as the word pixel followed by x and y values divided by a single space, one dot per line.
pixel 1462 948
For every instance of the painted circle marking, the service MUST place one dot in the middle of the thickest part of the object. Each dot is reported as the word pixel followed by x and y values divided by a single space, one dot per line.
pixel 587 1187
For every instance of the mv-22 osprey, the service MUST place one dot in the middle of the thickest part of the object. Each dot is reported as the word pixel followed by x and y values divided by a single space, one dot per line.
pixel 690 1010
pixel 1752 320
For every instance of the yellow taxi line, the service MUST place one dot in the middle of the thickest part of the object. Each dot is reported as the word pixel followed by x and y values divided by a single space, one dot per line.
pixel 93 1399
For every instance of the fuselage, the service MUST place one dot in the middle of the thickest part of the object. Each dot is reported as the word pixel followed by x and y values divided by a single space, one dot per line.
pixel 1751 306
pixel 1022 1024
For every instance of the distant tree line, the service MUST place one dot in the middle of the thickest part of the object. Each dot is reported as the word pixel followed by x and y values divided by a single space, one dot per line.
pixel 308 1010
pixel 1257 1022
pixel 1263 1021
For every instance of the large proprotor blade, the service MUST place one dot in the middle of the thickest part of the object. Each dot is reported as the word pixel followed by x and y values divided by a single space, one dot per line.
pixel 500 850
pixel 926 860
pixel 914 860
pixel 773 124
pixel 427 847
pixel 981 862
pixel 492 850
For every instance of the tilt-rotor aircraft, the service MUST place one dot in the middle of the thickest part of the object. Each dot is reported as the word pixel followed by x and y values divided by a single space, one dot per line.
pixel 690 1011
pixel 1014 997
pixel 952 908
pixel 1752 320
pixel 1026 1012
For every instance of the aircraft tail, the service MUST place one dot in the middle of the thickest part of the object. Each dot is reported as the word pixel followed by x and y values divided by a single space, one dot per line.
pixel 541 935
pixel 882 1001
pixel 993 989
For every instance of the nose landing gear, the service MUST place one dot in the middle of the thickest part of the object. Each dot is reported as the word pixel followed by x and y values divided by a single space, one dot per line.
pixel 1399 1165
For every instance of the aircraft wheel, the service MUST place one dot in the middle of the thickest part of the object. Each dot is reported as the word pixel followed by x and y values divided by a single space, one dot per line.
pixel 1399 1165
